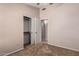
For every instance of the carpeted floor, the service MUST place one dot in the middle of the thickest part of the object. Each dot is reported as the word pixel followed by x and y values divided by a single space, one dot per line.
pixel 45 50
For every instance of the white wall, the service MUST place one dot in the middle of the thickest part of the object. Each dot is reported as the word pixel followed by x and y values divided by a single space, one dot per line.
pixel 11 25
pixel 63 25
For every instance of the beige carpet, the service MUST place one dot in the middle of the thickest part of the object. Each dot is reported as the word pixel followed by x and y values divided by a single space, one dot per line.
pixel 45 50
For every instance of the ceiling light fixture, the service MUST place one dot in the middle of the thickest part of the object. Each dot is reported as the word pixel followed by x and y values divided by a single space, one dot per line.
pixel 43 8
pixel 50 3
pixel 37 3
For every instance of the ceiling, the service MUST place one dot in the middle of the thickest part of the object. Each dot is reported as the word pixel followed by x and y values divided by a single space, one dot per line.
pixel 41 5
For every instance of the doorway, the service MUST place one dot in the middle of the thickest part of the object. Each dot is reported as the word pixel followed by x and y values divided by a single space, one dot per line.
pixel 44 27
pixel 27 30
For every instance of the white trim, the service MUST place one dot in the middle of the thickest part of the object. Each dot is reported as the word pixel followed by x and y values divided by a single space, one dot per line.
pixel 13 52
pixel 65 47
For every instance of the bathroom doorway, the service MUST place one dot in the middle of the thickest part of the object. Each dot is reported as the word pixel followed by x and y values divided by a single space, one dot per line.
pixel 44 31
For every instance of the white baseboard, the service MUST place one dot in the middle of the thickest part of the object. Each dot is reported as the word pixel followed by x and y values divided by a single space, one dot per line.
pixel 13 52
pixel 65 47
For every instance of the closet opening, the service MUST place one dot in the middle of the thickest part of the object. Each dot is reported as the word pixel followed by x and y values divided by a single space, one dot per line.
pixel 27 30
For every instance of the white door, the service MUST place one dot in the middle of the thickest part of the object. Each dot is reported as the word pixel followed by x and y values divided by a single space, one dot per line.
pixel 35 31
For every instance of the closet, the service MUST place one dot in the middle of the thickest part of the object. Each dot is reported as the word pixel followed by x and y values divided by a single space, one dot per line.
pixel 27 30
